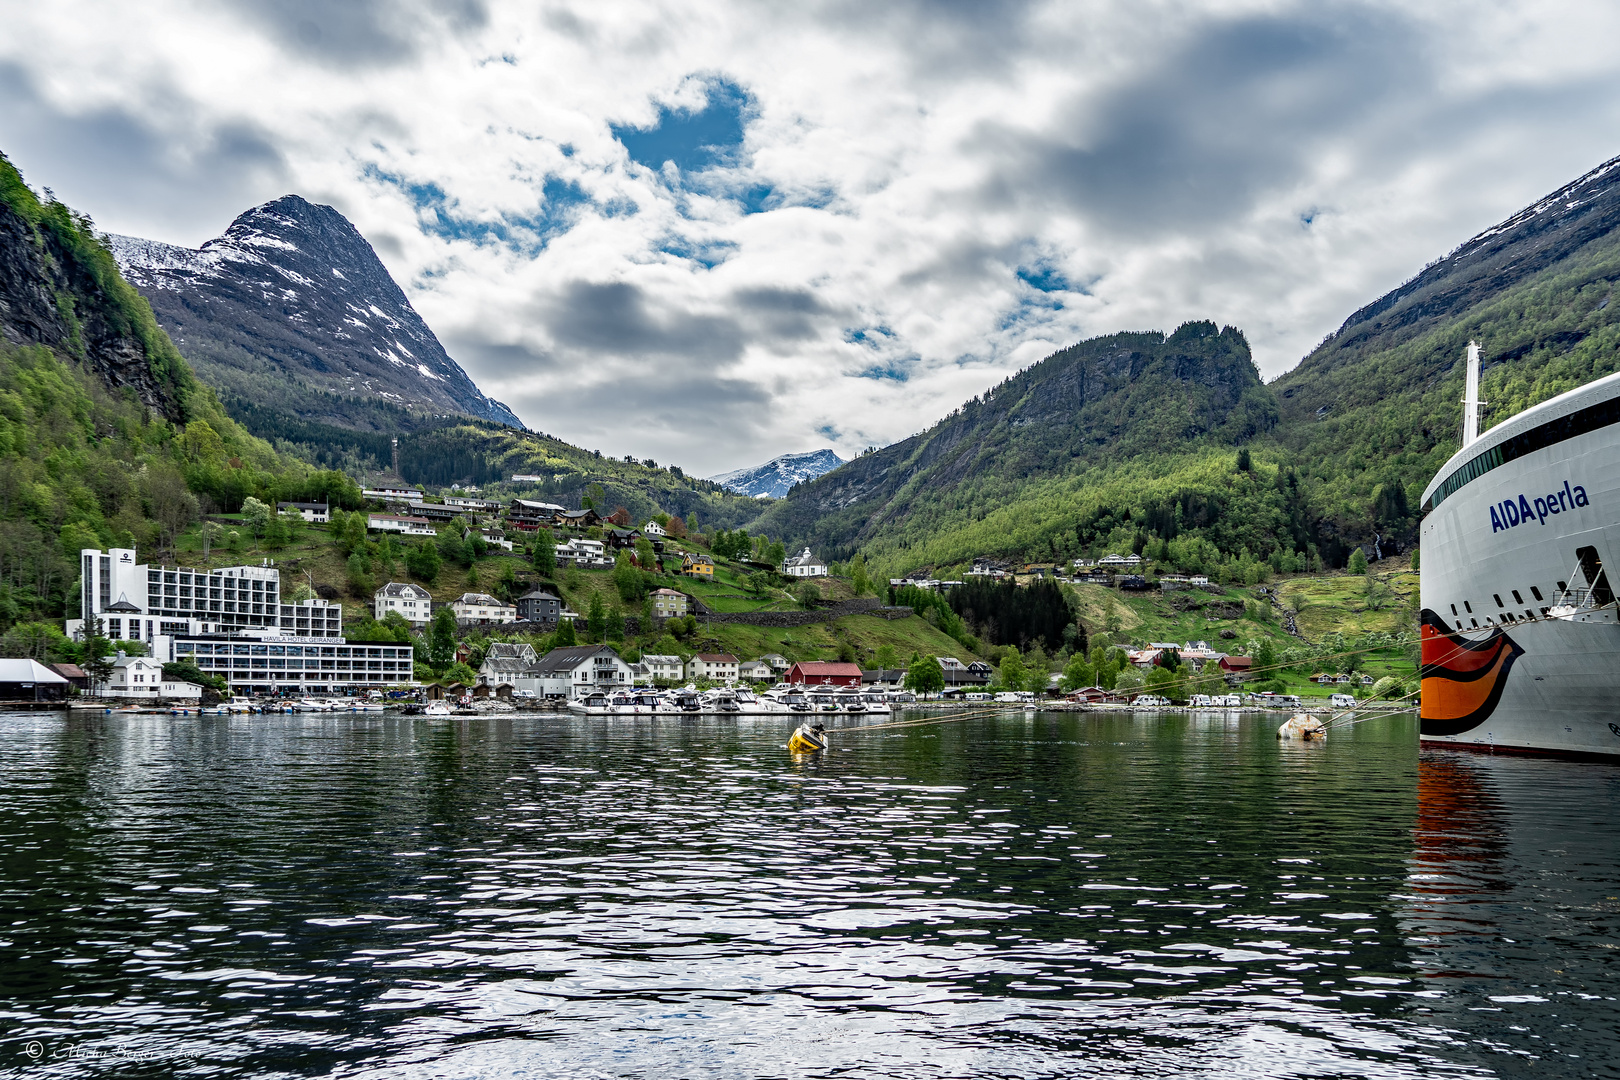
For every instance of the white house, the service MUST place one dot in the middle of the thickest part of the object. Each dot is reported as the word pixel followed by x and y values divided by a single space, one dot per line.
pixel 652 528
pixel 779 663
pixel 1120 560
pixel 582 552
pixel 466 502
pixel 574 670
pixel 314 513
pixel 393 493
pixel 410 526
pixel 660 666
pixel 481 609
pixel 134 677
pixel 716 667
pixel 805 565
pixel 142 677
pixel 412 601
pixel 495 538
pixel 755 671
pixel 510 662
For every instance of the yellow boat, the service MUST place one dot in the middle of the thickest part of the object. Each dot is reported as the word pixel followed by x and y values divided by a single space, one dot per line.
pixel 807 739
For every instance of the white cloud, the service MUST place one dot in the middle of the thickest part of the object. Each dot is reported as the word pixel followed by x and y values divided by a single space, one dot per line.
pixel 1267 164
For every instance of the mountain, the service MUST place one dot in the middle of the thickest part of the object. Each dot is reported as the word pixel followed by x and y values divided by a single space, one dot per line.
pixel 107 439
pixel 60 289
pixel 292 309
pixel 1052 460
pixel 1374 410
pixel 774 478
pixel 1091 451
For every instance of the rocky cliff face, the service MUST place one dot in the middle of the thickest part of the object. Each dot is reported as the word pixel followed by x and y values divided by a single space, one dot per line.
pixel 292 299
pixel 58 289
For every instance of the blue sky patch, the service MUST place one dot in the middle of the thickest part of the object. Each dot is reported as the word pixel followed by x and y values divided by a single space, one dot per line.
pixel 707 254
pixel 870 336
pixel 1043 277
pixel 438 214
pixel 694 141
pixel 886 372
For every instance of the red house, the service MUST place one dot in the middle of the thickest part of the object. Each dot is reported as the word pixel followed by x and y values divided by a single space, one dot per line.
pixel 1236 665
pixel 824 673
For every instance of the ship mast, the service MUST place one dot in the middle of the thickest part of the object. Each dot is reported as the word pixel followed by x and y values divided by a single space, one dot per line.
pixel 1471 402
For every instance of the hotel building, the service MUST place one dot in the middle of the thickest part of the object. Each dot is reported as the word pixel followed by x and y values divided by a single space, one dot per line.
pixel 232 622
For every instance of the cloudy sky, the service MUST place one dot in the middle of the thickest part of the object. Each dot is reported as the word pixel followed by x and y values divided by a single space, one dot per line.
pixel 711 233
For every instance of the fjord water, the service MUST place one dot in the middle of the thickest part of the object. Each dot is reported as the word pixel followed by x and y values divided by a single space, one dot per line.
pixel 1050 895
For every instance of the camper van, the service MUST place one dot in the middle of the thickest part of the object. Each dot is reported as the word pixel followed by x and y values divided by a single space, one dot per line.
pixel 1342 701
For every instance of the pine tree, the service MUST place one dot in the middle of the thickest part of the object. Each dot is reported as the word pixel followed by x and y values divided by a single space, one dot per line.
pixel 596 618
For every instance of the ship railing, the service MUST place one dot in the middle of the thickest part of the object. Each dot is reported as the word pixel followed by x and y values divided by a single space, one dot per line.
pixel 1572 601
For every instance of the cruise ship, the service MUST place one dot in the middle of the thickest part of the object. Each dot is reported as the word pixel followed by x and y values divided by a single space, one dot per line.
pixel 1520 635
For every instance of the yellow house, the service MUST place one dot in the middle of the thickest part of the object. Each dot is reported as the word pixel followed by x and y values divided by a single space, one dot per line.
pixel 698 565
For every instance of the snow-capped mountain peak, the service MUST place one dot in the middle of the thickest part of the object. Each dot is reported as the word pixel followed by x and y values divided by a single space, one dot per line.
pixel 774 478
pixel 292 291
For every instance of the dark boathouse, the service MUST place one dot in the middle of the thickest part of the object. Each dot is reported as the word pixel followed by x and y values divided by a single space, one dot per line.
pixel 28 680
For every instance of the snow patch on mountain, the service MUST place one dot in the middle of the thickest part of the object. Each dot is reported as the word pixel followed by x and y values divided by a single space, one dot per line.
pixel 776 477
pixel 293 286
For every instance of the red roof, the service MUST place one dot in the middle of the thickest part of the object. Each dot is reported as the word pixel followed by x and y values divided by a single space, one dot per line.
pixel 828 667
pixel 825 671
pixel 1237 663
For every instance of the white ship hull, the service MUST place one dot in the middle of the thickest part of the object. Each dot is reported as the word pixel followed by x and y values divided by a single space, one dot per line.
pixel 1521 637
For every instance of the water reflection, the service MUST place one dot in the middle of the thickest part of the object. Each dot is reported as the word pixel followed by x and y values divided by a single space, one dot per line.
pixel 1512 905
pixel 1044 895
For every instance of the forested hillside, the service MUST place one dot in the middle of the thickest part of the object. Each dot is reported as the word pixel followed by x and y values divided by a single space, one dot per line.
pixel 1378 401
pixel 489 455
pixel 106 438
pixel 1093 447
pixel 1089 452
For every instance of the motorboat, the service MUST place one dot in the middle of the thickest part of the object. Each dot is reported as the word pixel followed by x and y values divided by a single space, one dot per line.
pixel 686 702
pixel 807 738
pixel 753 704
pixel 721 701
pixel 852 701
pixel 877 704
pixel 824 701
pixel 791 699
pixel 437 708
pixel 594 703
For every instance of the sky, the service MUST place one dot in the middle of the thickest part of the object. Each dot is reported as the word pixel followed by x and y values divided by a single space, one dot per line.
pixel 712 233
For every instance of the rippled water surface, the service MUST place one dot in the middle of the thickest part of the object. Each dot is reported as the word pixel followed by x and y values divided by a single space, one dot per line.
pixel 1056 895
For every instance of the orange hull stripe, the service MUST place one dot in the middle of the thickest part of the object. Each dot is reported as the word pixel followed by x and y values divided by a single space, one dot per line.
pixel 1447 652
pixel 1447 699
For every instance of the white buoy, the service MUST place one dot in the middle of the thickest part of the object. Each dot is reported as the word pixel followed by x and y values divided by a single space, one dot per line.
pixel 1302 726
